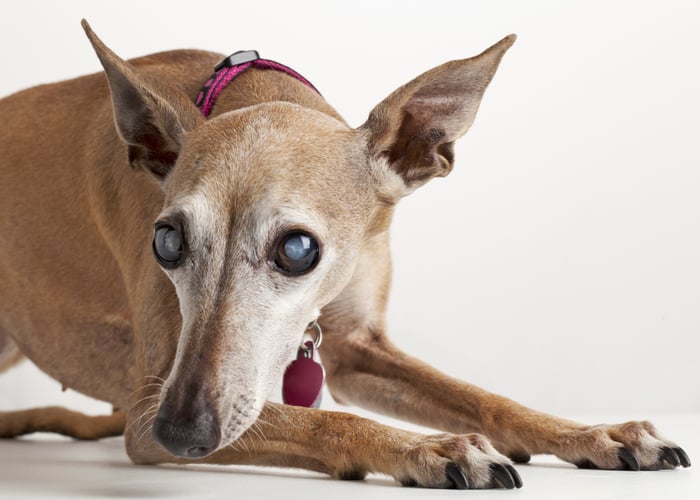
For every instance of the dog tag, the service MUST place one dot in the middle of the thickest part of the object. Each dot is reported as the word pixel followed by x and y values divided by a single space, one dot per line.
pixel 303 379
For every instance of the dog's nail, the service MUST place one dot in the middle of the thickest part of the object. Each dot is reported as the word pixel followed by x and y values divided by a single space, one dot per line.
pixel 628 459
pixel 502 476
pixel 668 455
pixel 456 476
pixel 516 477
pixel 682 457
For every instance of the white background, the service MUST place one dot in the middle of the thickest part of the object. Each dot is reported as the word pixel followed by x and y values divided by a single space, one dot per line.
pixel 558 263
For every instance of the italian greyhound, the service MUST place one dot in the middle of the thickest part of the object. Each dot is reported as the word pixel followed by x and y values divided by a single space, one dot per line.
pixel 170 239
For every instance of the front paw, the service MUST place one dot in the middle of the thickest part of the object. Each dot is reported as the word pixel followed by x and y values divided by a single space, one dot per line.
pixel 456 461
pixel 628 446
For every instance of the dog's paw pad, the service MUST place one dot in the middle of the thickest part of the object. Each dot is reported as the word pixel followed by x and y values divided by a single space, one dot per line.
pixel 352 475
pixel 519 457
pixel 409 482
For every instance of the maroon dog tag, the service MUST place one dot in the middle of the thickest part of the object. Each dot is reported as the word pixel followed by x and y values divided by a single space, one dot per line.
pixel 303 379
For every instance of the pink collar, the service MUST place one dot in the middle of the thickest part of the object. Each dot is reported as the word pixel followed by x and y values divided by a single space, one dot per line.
pixel 228 69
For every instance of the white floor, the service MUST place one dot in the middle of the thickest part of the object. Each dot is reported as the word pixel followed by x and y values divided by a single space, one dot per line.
pixel 48 467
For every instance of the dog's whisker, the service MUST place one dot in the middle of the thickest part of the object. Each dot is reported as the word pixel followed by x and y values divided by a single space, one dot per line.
pixel 254 430
pixel 149 415
pixel 263 422
pixel 147 426
pixel 139 418
pixel 146 386
pixel 240 446
pixel 144 400
pixel 274 408
pixel 235 448
pixel 150 412
pixel 258 433
pixel 153 389
pixel 156 377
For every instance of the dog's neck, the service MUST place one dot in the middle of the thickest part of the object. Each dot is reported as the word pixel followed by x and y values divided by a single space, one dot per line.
pixel 257 85
pixel 231 67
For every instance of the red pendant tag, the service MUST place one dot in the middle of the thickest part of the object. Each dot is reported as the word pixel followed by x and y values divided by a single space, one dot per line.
pixel 303 379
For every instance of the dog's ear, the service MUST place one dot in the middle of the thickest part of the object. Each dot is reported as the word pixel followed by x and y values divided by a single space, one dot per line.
pixel 414 129
pixel 150 117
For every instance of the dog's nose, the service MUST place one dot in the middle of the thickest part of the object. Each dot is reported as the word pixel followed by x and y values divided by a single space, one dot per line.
pixel 193 433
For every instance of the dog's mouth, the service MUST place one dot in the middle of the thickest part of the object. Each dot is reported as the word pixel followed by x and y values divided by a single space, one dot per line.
pixel 197 428
pixel 201 435
pixel 241 421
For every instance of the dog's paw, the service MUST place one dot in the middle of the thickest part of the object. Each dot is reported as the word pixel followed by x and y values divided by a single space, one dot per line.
pixel 456 461
pixel 628 446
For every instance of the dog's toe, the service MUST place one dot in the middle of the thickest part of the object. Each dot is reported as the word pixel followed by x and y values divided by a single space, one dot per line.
pixel 458 462
pixel 630 446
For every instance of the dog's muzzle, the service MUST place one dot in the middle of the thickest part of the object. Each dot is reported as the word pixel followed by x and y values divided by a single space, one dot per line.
pixel 191 431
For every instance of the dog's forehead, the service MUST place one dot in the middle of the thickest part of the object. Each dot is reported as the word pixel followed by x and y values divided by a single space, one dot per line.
pixel 275 153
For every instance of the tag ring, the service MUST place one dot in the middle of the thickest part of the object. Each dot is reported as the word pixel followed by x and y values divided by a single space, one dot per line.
pixel 316 341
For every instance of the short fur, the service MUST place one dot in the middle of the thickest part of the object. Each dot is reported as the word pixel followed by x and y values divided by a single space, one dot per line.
pixel 188 355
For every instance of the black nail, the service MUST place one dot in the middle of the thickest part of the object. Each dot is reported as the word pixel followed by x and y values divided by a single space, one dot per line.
pixel 682 456
pixel 516 477
pixel 628 459
pixel 502 476
pixel 668 455
pixel 456 476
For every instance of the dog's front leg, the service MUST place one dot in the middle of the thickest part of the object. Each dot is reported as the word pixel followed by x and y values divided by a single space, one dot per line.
pixel 348 447
pixel 365 369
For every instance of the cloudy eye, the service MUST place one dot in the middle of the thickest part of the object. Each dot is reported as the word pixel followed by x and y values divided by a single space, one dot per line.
pixel 168 246
pixel 296 253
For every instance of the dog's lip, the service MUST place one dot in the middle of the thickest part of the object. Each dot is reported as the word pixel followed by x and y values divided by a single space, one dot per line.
pixel 239 422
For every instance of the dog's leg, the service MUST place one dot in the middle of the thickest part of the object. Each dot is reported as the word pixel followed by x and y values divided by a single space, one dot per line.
pixel 62 421
pixel 53 418
pixel 365 369
pixel 348 447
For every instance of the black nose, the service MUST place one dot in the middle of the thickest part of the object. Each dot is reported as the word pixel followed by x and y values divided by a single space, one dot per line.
pixel 193 433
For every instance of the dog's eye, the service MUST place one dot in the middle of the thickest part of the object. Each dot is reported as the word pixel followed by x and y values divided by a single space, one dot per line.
pixel 167 246
pixel 296 253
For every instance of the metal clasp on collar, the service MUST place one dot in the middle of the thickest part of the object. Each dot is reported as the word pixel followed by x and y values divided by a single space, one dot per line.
pixel 310 346
pixel 240 57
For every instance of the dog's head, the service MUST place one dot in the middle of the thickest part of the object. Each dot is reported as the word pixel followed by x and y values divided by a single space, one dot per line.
pixel 266 211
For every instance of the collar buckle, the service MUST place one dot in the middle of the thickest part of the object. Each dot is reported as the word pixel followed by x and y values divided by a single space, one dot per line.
pixel 237 58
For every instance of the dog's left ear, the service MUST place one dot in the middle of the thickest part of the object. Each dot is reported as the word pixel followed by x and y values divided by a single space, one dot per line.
pixel 414 129
pixel 151 117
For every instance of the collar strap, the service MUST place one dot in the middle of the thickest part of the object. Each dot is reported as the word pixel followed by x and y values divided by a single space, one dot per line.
pixel 228 69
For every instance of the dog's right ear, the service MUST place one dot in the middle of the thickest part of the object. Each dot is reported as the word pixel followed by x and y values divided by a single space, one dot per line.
pixel 151 118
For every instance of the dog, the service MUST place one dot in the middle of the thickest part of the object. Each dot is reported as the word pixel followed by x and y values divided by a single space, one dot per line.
pixel 171 264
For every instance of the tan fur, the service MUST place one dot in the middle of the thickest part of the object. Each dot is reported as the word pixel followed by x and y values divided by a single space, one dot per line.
pixel 84 299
